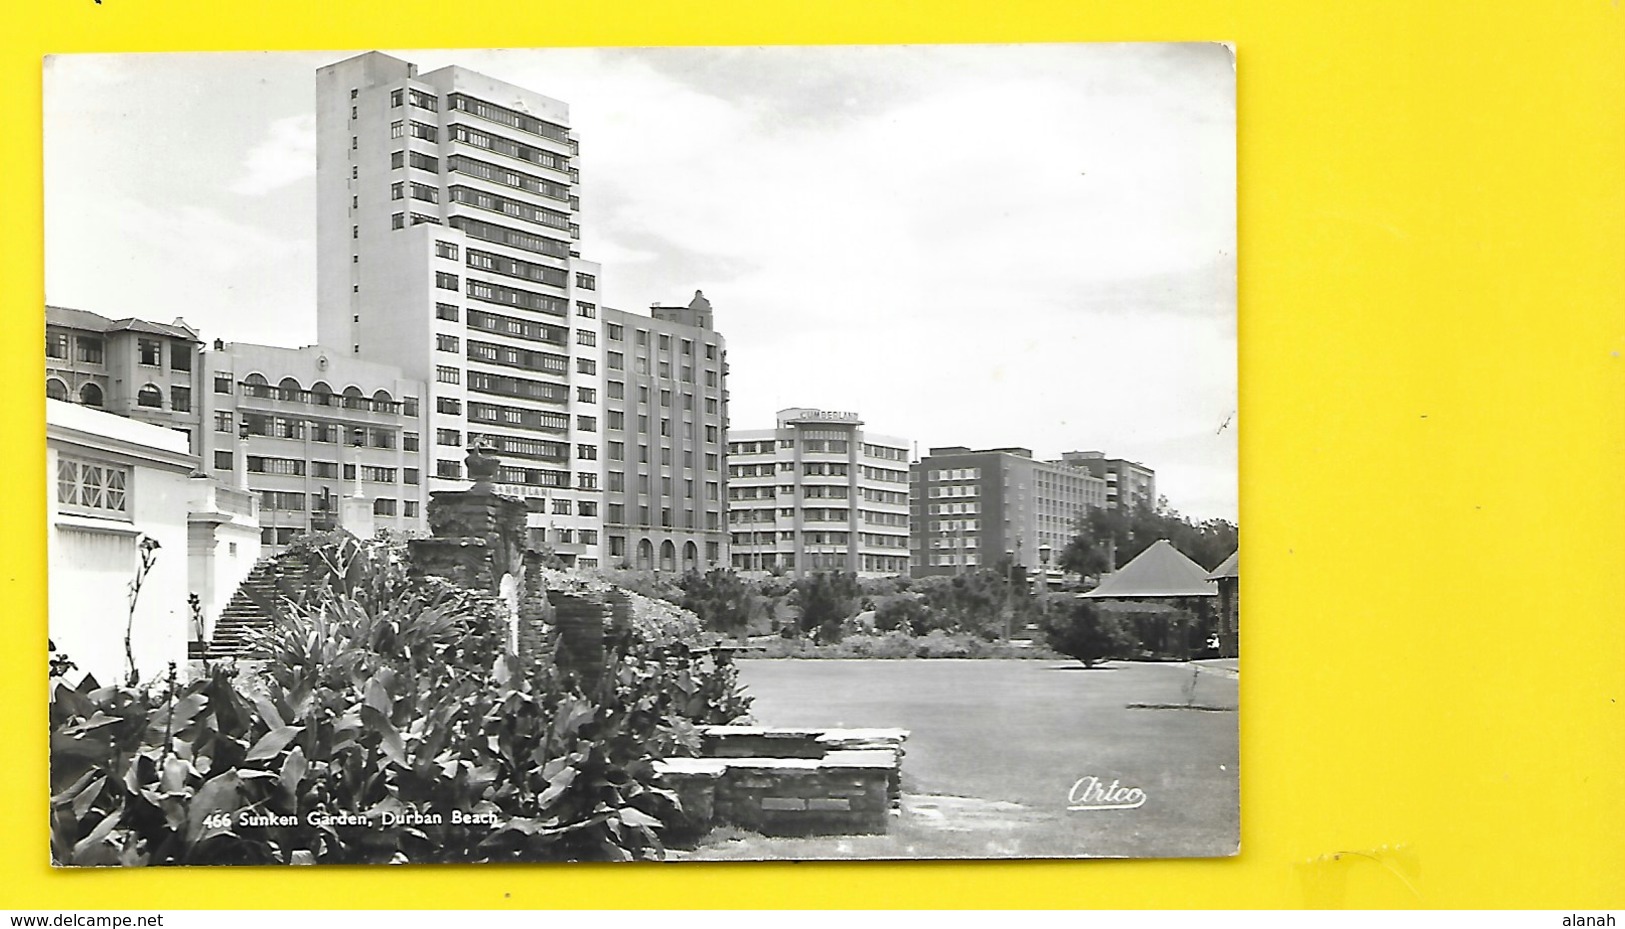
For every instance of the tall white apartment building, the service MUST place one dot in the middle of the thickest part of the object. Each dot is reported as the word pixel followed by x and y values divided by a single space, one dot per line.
pixel 818 493
pixel 446 216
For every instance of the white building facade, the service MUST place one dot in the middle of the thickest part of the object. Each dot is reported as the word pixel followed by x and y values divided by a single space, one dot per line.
pixel 120 490
pixel 307 428
pixel 446 221
pixel 818 493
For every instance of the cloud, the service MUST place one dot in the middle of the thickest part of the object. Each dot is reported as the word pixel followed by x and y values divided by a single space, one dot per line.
pixel 287 154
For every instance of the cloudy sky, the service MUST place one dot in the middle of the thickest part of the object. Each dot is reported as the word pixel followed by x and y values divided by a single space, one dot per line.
pixel 967 245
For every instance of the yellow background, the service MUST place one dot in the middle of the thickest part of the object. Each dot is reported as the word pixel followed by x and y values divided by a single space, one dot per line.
pixel 1432 241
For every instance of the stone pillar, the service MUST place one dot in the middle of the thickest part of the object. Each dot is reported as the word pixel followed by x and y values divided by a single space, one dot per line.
pixel 479 536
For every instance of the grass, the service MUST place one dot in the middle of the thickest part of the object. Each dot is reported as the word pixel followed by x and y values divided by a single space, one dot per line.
pixel 996 746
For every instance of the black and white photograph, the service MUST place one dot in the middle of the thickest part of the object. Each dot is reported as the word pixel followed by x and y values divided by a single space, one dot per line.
pixel 612 454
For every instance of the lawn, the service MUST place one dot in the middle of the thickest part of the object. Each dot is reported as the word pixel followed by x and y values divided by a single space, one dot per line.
pixel 996 746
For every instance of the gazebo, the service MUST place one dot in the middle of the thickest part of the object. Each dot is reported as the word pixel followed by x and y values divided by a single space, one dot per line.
pixel 1160 573
pixel 1228 575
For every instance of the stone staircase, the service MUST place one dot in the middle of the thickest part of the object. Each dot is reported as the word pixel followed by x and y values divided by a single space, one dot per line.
pixel 248 614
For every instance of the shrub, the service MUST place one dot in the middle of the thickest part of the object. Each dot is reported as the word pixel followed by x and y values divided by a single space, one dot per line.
pixel 392 701
pixel 1086 633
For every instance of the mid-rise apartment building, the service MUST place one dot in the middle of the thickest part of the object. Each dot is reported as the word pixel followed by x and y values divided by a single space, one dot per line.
pixel 305 429
pixel 1129 484
pixel 971 507
pixel 446 221
pixel 130 367
pixel 818 493
pixel 665 413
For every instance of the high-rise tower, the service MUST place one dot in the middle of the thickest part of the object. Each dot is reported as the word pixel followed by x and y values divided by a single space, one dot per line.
pixel 446 216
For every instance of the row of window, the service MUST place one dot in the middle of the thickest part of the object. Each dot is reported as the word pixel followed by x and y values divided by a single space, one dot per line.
pixel 513 238
pixel 92 350
pixel 512 267
pixel 513 296
pixel 512 118
pixel 520 328
pixel 518 209
pixel 507 177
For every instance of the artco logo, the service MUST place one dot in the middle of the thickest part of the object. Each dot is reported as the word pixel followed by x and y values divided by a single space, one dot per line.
pixel 1088 793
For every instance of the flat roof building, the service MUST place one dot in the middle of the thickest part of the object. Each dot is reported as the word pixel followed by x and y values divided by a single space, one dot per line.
pixel 305 428
pixel 818 493
pixel 970 507
pixel 1129 484
pixel 446 222
pixel 665 414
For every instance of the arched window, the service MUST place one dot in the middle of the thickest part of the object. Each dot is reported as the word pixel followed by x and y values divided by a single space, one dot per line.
pixel 55 389
pixel 256 380
pixel 150 396
pixel 321 393
pixel 691 556
pixel 353 392
pixel 289 388
pixel 90 394
pixel 382 396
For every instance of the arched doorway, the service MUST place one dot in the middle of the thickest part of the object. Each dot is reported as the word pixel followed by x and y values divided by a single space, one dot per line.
pixel 691 556
pixel 646 555
pixel 90 395
pixel 668 556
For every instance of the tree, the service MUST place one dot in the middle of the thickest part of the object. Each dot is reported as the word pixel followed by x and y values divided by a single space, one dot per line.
pixel 1100 531
pixel 720 598
pixel 1086 632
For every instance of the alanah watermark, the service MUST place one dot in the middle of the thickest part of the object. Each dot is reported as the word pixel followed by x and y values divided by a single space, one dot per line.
pixel 1089 793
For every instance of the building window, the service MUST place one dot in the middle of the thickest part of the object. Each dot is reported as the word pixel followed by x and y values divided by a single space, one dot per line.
pixel 450 437
pixel 586 395
pixel 446 374
pixel 97 489
pixel 425 101
pixel 447 343
pixel 222 461
pixel 150 396
pixel 409 441
pixel 397 190
pixel 409 406
pixel 425 192
pixel 588 310
pixel 396 98
pixel 587 452
pixel 397 129
pixel 397 159
pixel 586 281
pixel 445 280
pixel 448 469
pixel 56 345
pixel 150 351
pixel 586 366
pixel 180 399
pixel 424 131
pixel 409 509
pixel 383 506
pixel 451 406
pixel 446 250
pixel 586 337
pixel 90 349
pixel 561 508
pixel 55 389
pixel 587 423
pixel 445 311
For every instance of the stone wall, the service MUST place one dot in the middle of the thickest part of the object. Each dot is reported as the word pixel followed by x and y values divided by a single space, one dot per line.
pixel 792 782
